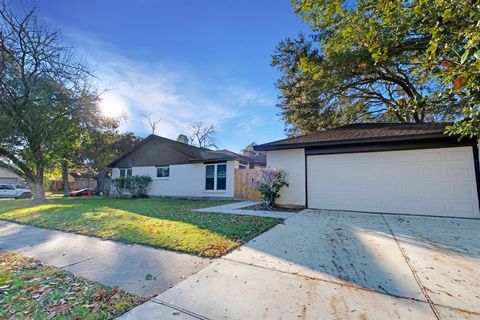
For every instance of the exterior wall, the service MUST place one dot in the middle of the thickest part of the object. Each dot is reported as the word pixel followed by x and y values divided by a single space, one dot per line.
pixel 293 162
pixel 185 180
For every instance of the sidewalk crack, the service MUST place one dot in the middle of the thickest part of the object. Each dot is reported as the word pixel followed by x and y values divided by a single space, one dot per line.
pixel 75 263
pixel 415 275
pixel 185 311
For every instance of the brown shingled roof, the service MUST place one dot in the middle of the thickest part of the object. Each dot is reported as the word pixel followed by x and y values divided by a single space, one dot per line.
pixel 360 133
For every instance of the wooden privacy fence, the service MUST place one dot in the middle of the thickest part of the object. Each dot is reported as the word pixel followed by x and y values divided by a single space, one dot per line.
pixel 245 184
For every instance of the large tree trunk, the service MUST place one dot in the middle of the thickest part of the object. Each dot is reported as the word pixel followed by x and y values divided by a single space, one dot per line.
pixel 38 192
pixel 101 177
pixel 66 186
pixel 37 183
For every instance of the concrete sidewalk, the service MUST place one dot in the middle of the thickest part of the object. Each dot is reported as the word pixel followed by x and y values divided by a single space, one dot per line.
pixel 236 208
pixel 108 262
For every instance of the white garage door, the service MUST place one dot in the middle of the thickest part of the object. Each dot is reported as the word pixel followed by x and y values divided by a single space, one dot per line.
pixel 427 182
pixel 8 181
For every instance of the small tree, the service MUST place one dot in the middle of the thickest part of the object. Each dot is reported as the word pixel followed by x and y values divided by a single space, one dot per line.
pixel 269 182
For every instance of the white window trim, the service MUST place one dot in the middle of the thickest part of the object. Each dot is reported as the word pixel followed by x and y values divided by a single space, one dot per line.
pixel 215 190
pixel 126 169
pixel 162 178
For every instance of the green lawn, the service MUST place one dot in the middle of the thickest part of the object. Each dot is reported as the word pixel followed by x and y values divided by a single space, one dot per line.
pixel 157 222
pixel 31 290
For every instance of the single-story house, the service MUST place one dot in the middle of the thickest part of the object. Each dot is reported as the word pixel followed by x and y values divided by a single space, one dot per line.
pixel 380 167
pixel 183 170
pixel 9 177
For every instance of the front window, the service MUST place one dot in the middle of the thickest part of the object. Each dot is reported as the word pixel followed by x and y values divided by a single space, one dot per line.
pixel 163 172
pixel 216 176
pixel 221 176
pixel 127 172
pixel 210 177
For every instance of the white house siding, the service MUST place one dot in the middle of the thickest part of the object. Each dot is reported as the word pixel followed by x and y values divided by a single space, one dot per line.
pixel 293 162
pixel 185 180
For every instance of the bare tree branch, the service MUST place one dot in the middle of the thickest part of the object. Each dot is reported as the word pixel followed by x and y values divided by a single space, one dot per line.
pixel 203 135
pixel 152 123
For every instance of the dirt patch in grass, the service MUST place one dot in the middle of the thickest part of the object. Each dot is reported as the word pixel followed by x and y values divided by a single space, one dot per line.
pixel 32 290
pixel 262 207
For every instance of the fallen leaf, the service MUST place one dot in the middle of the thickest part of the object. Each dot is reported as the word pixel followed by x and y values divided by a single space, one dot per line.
pixel 150 277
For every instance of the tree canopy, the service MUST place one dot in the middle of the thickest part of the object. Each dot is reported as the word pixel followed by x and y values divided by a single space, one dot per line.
pixel 46 98
pixel 379 60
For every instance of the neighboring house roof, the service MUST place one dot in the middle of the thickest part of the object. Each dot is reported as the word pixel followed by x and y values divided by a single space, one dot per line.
pixel 156 151
pixel 361 133
pixel 5 173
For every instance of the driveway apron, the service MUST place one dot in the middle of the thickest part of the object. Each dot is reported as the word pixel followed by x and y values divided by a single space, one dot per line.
pixel 337 265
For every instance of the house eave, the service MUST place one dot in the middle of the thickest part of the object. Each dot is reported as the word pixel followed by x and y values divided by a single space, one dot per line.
pixel 273 146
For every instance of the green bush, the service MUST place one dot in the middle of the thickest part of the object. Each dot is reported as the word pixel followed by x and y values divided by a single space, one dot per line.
pixel 269 182
pixel 136 185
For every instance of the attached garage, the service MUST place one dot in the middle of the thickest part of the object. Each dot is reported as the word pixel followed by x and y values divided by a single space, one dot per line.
pixel 8 177
pixel 427 182
pixel 8 181
pixel 385 168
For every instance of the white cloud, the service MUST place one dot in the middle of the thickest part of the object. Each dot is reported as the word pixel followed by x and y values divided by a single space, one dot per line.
pixel 176 98
pixel 174 94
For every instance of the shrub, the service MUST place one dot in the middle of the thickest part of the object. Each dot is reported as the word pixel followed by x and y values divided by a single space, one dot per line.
pixel 269 182
pixel 136 185
pixel 119 186
pixel 140 185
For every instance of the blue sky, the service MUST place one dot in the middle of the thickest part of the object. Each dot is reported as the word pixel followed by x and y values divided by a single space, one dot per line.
pixel 182 61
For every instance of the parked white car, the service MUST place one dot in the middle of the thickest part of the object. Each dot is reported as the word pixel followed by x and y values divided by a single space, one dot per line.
pixel 10 191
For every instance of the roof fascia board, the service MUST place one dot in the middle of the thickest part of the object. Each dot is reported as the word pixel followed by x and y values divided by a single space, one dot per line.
pixel 271 147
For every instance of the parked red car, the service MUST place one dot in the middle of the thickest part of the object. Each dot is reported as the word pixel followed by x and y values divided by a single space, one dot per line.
pixel 83 192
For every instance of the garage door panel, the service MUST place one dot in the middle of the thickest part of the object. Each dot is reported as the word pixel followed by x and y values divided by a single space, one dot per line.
pixel 461 190
pixel 458 155
pixel 8 180
pixel 430 182
pixel 458 172
pixel 430 156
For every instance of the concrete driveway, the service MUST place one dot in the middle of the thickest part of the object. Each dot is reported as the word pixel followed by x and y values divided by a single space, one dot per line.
pixel 337 265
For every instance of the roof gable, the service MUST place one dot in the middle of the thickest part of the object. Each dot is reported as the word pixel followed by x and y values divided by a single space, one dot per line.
pixel 159 151
pixel 155 151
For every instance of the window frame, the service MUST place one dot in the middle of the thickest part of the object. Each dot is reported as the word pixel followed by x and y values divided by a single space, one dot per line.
pixel 162 177
pixel 125 172
pixel 215 177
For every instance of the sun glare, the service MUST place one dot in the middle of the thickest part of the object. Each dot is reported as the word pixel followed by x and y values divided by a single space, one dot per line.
pixel 112 106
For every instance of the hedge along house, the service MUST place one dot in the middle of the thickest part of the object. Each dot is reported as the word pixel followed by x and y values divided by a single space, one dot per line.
pixel 182 170
pixel 382 167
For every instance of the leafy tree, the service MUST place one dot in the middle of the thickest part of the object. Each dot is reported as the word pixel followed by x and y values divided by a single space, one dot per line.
pixel 99 147
pixel 370 60
pixel 42 87
pixel 249 151
pixel 453 30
